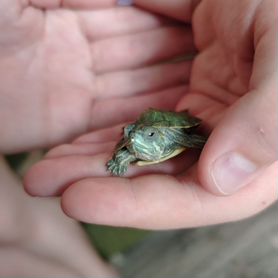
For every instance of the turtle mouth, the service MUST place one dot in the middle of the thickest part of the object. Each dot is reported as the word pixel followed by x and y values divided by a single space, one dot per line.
pixel 129 145
pixel 142 151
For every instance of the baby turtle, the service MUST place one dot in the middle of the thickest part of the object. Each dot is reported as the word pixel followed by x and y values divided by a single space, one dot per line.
pixel 156 136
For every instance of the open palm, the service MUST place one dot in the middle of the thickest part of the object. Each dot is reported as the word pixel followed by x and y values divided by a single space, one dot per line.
pixel 227 77
pixel 64 70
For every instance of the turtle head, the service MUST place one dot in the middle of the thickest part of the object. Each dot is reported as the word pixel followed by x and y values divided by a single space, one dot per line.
pixel 147 143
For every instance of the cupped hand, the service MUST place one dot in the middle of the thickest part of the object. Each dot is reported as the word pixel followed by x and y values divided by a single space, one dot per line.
pixel 74 65
pixel 233 87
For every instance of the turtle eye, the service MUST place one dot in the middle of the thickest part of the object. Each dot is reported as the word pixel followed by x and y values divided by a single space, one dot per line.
pixel 150 134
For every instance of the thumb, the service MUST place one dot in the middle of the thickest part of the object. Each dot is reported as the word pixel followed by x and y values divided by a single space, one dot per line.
pixel 243 145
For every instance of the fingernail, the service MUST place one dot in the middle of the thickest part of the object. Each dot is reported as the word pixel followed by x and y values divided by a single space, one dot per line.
pixel 232 171
pixel 124 2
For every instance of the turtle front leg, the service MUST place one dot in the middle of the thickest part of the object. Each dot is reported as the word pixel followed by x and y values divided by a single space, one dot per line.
pixel 120 161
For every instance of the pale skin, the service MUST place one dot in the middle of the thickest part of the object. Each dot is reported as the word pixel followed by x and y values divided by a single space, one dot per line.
pixel 53 81
pixel 60 61
pixel 232 87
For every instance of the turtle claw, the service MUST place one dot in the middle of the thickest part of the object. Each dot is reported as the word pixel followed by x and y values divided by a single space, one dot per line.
pixel 119 163
pixel 116 168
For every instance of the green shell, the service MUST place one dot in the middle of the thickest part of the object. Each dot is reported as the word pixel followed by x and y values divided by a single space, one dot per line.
pixel 154 117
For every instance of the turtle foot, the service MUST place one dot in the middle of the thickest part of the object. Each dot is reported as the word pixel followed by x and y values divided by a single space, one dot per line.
pixel 116 168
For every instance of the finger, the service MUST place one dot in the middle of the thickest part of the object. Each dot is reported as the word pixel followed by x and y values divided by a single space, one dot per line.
pixel 265 56
pixel 80 149
pixel 52 176
pixel 101 135
pixel 211 111
pixel 148 79
pixel 76 4
pixel 161 202
pixel 122 110
pixel 243 144
pixel 179 9
pixel 99 24
pixel 10 10
pixel 137 50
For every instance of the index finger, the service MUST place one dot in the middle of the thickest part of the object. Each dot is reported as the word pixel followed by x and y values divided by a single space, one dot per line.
pixel 161 201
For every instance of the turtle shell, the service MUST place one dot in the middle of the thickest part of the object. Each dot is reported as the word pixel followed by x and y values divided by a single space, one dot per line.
pixel 158 118
pixel 156 136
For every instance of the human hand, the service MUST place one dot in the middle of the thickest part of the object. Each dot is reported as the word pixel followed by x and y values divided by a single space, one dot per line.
pixel 233 87
pixel 63 68
pixel 37 237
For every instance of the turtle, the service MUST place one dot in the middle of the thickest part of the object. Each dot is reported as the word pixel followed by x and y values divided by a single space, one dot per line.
pixel 156 136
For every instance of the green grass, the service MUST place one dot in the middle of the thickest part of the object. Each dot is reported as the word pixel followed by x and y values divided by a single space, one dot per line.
pixel 111 240
pixel 16 160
